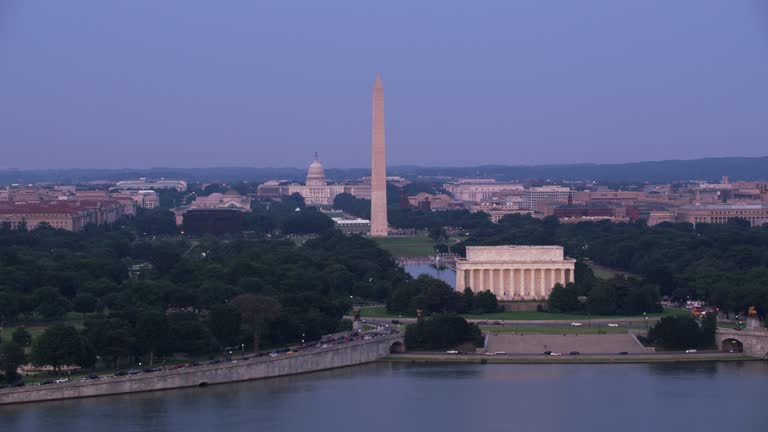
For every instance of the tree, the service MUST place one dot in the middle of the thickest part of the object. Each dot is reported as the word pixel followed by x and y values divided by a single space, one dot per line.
pixel 84 303
pixel 224 322
pixel 257 310
pixel 188 335
pixel 11 357
pixel 9 305
pixel 486 302
pixel 441 332
pixel 50 304
pixel 151 332
pixel 59 345
pixel 22 337
pixel 677 333
pixel 563 299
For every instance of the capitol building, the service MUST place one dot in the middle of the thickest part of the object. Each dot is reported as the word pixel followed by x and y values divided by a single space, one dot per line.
pixel 316 190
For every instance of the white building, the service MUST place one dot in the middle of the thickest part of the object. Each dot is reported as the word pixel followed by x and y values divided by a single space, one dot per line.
pixel 476 190
pixel 179 185
pixel 534 195
pixel 316 191
pixel 514 272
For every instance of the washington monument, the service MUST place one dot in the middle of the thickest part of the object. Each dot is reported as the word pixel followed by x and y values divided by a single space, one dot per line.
pixel 378 164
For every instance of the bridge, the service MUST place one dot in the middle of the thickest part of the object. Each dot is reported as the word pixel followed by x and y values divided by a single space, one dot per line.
pixel 753 343
pixel 243 369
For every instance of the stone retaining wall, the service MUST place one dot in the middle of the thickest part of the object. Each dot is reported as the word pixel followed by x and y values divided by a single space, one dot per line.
pixel 349 354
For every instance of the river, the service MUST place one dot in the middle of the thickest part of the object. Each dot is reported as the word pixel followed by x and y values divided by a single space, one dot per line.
pixel 707 396
pixel 446 274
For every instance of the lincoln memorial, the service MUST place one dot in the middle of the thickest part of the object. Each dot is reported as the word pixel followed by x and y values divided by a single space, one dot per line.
pixel 514 272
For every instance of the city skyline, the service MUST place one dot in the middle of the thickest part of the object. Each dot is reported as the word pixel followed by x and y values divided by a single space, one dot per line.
pixel 519 84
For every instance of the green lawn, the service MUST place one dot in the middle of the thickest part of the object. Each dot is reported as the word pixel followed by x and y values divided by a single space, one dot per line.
pixel 381 312
pixel 407 246
pixel 606 273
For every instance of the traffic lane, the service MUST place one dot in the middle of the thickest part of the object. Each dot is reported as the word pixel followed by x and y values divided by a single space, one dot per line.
pixel 522 323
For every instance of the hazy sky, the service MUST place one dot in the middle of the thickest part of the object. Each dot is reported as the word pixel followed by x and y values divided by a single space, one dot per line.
pixel 142 83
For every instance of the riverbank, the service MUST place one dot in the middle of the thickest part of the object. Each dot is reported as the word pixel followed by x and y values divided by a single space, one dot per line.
pixel 564 359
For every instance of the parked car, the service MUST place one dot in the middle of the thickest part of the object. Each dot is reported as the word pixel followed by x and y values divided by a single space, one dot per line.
pixel 556 354
pixel 451 352
pixel 62 380
pixel 612 325
pixel 623 353
pixel 574 353
pixel 690 351
pixel 576 324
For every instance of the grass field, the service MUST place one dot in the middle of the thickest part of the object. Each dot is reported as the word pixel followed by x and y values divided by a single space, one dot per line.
pixel 407 246
pixel 381 312
pixel 607 273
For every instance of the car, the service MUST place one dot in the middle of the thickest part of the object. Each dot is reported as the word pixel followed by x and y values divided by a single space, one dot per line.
pixel 395 321
pixel 46 382
pixel 178 366
pixel 367 337
pixel 19 384
pixel 623 353
pixel 273 354
pixel 547 352
pixel 690 351
pixel 134 372
pixel 576 324
pixel 500 353
pixel 62 380
pixel 213 362
pixel 574 353
pixel 490 353
pixel 451 352
pixel 324 346
pixel 612 325
pixel 556 354
pixel 121 373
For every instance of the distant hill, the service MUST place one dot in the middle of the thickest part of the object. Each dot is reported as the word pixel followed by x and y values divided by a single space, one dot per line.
pixel 737 168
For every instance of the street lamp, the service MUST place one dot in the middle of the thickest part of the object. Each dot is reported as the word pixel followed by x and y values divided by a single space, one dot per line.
pixel 645 316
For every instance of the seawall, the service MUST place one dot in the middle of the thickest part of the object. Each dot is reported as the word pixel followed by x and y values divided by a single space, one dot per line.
pixel 335 356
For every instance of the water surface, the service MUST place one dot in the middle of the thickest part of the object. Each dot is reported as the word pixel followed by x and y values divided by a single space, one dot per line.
pixel 387 397
pixel 444 274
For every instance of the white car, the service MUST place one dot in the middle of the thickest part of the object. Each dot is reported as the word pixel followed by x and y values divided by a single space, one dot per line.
pixel 62 380
pixel 273 354
pixel 500 353
pixel 490 353
pixel 612 325
pixel 576 324
pixel 556 354
pixel 690 351
pixel 452 352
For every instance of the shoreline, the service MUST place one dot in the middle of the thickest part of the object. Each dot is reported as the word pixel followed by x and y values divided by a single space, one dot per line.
pixel 425 358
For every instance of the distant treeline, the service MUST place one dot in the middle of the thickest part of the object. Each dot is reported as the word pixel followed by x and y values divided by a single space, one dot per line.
pixel 737 168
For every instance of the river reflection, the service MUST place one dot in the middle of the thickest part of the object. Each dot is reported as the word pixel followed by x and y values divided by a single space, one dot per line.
pixel 444 274
pixel 398 396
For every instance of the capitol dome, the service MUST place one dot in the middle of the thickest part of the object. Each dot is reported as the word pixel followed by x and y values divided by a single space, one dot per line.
pixel 316 173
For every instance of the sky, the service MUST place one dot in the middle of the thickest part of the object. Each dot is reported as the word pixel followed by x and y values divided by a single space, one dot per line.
pixel 261 83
